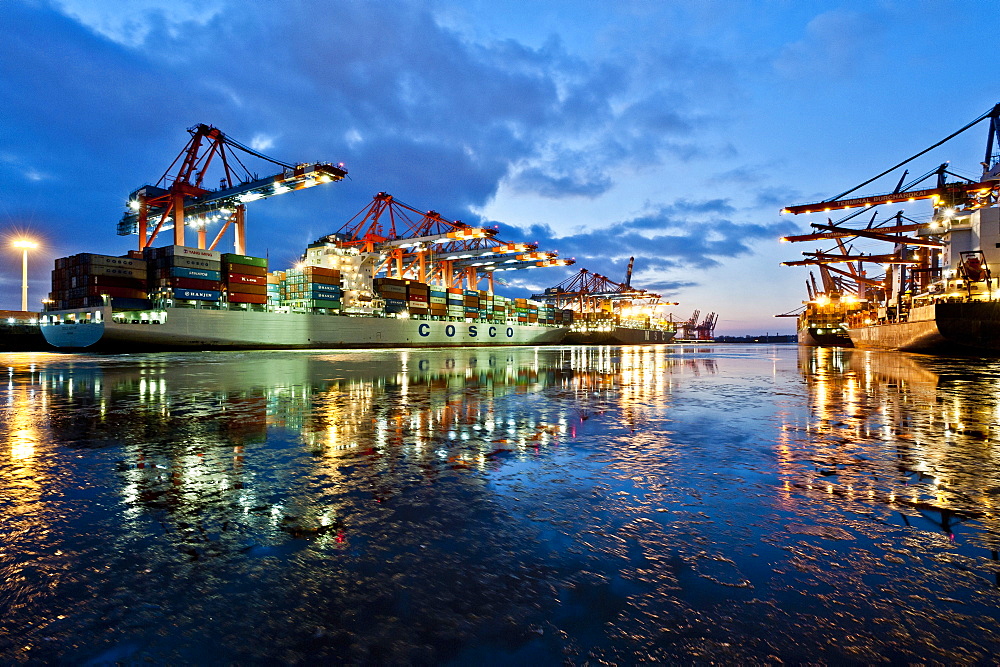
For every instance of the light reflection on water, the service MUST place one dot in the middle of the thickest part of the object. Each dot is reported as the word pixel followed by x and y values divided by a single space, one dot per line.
pixel 533 505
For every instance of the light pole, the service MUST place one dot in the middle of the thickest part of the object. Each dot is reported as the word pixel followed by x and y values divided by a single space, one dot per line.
pixel 25 245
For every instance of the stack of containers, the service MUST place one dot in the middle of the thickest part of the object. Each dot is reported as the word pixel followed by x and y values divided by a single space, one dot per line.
pixel 438 302
pixel 184 274
pixel 565 317
pixel 313 287
pixel 532 312
pixel 485 304
pixel 246 278
pixel 521 309
pixel 499 313
pixel 274 281
pixel 471 303
pixel 393 291
pixel 417 298
pixel 83 280
pixel 547 314
pixel 456 303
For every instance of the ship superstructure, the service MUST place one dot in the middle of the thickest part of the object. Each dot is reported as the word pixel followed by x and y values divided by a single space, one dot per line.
pixel 931 289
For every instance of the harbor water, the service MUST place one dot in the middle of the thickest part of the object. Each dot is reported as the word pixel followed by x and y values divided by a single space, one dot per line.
pixel 552 505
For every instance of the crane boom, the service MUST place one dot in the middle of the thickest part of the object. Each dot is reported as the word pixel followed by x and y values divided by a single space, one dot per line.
pixel 186 202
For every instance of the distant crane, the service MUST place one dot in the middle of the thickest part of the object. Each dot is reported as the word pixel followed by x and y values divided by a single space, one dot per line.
pixel 706 330
pixel 587 292
pixel 181 199
pixel 690 326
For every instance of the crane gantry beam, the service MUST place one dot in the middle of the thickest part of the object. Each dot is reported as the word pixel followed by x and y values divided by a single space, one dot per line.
pixel 425 245
pixel 181 199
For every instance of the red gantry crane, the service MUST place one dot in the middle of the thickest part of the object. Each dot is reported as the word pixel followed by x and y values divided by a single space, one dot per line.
pixel 180 198
pixel 427 247
pixel 590 293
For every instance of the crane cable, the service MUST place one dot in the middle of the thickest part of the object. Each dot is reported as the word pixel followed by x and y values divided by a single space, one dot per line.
pixel 910 159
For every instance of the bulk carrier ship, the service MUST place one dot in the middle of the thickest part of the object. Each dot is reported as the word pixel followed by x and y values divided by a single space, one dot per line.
pixel 392 276
pixel 934 291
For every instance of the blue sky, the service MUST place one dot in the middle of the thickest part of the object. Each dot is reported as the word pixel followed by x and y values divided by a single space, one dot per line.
pixel 669 131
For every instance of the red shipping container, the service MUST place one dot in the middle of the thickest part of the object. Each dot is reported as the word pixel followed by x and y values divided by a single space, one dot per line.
pixel 247 289
pixel 237 297
pixel 246 269
pixel 124 292
pixel 246 279
pixel 194 283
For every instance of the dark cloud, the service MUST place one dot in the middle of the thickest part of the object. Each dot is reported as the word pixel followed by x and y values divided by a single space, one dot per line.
pixel 690 237
pixel 411 107
pixel 582 182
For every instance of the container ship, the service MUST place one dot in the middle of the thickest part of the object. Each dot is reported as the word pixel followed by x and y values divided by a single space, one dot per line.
pixel 392 276
pixel 932 290
pixel 822 320
pixel 200 299
pixel 606 312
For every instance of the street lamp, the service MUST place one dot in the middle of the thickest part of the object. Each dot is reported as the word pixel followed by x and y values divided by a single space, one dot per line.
pixel 25 245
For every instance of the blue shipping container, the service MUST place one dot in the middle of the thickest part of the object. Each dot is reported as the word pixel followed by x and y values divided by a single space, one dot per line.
pixel 200 274
pixel 197 294
pixel 328 289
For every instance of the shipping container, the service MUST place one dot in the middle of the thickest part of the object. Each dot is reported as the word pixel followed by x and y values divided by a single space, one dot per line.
pixel 237 297
pixel 190 262
pixel 245 279
pixel 247 289
pixel 200 274
pixel 246 269
pixel 191 283
pixel 178 251
pixel 90 259
pixel 243 260
pixel 196 295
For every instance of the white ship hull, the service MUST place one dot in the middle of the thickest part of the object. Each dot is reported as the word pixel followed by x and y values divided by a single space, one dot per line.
pixel 201 329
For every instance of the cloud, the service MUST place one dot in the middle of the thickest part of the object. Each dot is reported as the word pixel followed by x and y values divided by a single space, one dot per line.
pixel 834 45
pixel 581 182
pixel 262 142
pixel 413 108
pixel 672 242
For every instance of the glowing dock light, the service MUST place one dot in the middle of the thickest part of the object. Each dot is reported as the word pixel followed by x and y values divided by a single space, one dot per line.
pixel 24 245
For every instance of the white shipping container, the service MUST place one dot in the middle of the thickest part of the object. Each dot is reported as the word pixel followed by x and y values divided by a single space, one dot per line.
pixel 185 251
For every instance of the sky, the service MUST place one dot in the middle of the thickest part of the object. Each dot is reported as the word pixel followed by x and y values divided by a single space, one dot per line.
pixel 672 132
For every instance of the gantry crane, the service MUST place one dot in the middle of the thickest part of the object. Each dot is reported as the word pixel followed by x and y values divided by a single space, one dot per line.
pixel 913 262
pixel 706 330
pixel 427 247
pixel 181 199
pixel 587 292
pixel 966 193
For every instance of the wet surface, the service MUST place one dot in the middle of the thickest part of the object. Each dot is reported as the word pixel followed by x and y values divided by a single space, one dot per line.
pixel 527 505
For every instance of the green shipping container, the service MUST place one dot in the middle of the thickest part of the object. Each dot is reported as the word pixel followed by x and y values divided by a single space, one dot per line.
pixel 233 258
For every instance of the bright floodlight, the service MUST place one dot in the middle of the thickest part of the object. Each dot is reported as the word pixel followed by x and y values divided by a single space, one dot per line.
pixel 24 245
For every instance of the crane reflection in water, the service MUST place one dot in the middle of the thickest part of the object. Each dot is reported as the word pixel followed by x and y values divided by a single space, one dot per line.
pixel 658 503
pixel 935 420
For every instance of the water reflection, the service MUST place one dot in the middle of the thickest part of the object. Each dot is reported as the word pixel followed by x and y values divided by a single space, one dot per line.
pixel 917 434
pixel 472 506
